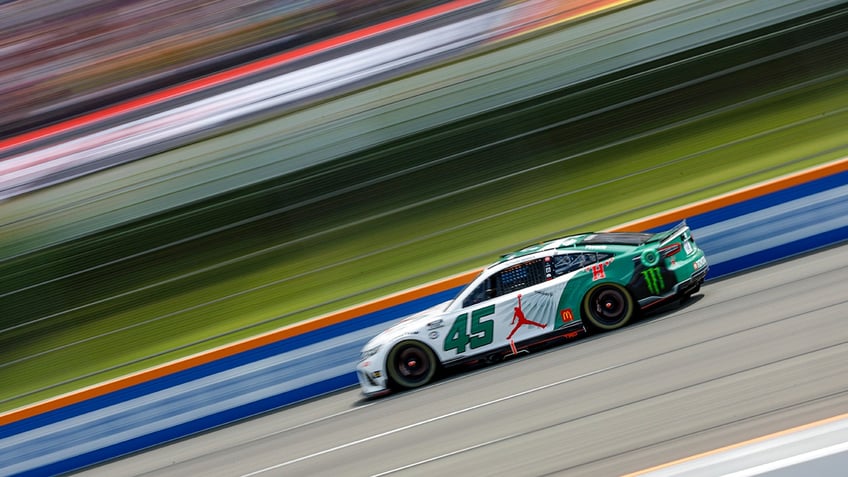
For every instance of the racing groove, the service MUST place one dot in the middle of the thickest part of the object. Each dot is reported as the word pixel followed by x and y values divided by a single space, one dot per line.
pixel 756 353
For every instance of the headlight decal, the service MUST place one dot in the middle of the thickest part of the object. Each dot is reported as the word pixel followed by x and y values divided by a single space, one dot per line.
pixel 369 353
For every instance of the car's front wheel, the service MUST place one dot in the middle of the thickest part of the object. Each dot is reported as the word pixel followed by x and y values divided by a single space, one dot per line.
pixel 411 364
pixel 607 307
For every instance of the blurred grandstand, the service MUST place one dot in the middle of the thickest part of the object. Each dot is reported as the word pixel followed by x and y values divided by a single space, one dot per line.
pixel 60 58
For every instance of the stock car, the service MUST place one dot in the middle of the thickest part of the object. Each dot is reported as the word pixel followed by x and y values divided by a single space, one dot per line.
pixel 558 289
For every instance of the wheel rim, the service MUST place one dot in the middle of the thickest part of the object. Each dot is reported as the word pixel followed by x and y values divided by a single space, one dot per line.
pixel 412 364
pixel 609 306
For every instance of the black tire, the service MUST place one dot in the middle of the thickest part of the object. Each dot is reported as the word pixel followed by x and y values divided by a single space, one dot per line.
pixel 608 307
pixel 411 364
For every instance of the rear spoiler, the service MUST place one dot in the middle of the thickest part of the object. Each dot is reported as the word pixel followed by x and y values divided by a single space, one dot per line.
pixel 669 235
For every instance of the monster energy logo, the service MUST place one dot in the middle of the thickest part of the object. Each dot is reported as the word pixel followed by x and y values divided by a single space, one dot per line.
pixel 654 280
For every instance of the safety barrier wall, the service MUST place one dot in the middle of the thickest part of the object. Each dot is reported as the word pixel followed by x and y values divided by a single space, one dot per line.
pixel 619 40
pixel 740 230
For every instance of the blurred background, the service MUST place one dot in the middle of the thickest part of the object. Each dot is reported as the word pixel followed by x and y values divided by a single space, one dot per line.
pixel 177 175
pixel 65 58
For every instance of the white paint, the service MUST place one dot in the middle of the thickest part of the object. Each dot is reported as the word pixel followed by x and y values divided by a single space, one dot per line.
pixel 447 454
pixel 786 462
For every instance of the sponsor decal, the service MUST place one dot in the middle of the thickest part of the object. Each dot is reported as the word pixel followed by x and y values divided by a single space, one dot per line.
pixel 573 334
pixel 435 324
pixel 598 272
pixel 519 320
pixel 376 374
pixel 700 263
pixel 543 292
pixel 567 315
pixel 654 280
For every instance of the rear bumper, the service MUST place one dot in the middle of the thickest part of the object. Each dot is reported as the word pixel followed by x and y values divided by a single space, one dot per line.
pixel 693 283
pixel 681 289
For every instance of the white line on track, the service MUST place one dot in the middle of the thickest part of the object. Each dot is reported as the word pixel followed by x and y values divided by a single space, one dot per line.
pixel 448 454
pixel 433 419
pixel 314 421
pixel 797 459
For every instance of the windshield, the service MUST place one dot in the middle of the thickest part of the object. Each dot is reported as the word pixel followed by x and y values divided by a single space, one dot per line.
pixel 457 300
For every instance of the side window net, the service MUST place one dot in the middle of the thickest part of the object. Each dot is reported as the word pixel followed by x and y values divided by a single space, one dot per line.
pixel 508 280
pixel 570 262
pixel 520 276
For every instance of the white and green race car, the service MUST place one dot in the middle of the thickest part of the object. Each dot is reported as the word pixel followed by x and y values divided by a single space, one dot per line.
pixel 554 290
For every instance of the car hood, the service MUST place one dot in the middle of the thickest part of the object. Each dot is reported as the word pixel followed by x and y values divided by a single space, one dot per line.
pixel 414 324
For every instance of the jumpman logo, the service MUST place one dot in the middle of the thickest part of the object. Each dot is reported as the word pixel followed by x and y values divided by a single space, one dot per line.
pixel 521 320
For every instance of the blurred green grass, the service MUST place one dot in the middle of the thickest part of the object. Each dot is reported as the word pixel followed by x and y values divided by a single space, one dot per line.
pixel 354 238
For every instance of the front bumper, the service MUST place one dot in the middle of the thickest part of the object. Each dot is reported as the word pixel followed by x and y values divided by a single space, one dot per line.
pixel 372 379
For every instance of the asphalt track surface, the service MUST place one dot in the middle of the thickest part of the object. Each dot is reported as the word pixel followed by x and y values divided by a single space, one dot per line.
pixel 753 354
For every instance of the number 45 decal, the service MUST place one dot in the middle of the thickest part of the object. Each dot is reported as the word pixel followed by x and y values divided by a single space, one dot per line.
pixel 481 333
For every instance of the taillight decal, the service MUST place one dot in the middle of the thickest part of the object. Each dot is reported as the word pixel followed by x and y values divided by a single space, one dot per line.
pixel 670 249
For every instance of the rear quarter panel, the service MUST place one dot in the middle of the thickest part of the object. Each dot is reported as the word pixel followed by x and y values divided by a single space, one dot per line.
pixel 619 270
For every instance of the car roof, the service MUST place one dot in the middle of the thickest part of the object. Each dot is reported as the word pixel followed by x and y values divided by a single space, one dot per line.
pixel 589 242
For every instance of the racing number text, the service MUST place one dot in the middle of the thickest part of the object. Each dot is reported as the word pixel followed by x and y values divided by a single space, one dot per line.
pixel 481 333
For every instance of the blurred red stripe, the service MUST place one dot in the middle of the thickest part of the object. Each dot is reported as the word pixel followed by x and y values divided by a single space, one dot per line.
pixel 230 75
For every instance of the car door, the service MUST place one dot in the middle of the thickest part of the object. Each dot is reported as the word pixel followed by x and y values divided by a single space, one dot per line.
pixel 512 305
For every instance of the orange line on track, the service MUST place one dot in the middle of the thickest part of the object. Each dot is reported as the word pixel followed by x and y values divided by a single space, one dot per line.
pixel 235 348
pixel 737 445
pixel 737 196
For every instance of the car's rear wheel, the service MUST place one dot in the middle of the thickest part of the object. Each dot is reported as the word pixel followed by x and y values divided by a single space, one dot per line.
pixel 607 307
pixel 411 364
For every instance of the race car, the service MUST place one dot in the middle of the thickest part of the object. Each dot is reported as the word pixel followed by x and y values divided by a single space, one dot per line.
pixel 557 289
